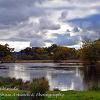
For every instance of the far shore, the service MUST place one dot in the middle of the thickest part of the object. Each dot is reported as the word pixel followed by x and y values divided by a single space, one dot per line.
pixel 48 61
pixel 42 61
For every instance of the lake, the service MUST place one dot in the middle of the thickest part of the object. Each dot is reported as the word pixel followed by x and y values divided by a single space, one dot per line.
pixel 60 76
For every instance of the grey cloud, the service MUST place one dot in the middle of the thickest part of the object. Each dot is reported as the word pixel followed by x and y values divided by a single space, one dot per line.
pixel 48 41
pixel 89 25
pixel 87 22
pixel 15 16
pixel 66 39
pixel 82 1
pixel 37 43
pixel 75 29
pixel 63 15
pixel 30 31
pixel 18 3
pixel 15 11
pixel 89 35
pixel 48 24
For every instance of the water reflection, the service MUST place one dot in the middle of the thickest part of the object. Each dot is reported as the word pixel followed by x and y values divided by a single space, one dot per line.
pixel 74 78
pixel 18 71
pixel 92 77
pixel 65 80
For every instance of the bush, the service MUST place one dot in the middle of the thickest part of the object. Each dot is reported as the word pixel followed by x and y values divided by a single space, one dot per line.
pixel 38 88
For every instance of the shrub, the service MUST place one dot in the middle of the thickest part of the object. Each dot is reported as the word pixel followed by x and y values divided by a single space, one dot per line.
pixel 38 88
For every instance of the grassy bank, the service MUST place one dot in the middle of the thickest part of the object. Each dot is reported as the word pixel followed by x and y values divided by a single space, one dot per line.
pixel 10 94
pixel 55 95
pixel 74 95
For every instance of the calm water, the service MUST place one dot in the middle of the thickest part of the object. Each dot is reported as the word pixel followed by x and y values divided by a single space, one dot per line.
pixel 69 77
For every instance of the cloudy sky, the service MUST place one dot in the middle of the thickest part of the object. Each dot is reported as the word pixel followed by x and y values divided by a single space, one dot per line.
pixel 43 22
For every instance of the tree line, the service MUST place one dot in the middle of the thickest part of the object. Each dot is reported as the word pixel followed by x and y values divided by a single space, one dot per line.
pixel 90 52
pixel 53 52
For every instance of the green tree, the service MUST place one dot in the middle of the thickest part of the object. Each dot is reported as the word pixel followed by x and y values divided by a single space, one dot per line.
pixel 90 51
pixel 63 53
pixel 5 51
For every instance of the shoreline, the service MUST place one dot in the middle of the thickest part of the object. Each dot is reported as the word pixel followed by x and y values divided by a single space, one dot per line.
pixel 43 61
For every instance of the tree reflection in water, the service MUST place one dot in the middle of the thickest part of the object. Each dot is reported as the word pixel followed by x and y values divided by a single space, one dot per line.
pixel 92 77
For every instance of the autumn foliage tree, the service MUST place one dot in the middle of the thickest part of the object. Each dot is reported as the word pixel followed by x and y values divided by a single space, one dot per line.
pixel 63 53
pixel 90 51
pixel 5 52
